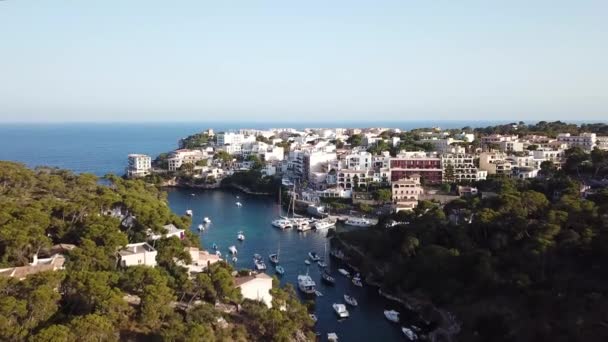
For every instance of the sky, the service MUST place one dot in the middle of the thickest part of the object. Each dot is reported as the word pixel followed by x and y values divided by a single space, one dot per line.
pixel 135 60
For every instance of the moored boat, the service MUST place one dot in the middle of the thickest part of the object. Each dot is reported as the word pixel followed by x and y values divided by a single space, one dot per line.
pixel 207 220
pixel 274 258
pixel 313 256
pixel 392 315
pixel 344 272
pixel 189 212
pixel 350 300
pixel 358 222
pixel 411 335
pixel 306 284
pixel 279 270
pixel 201 227
pixel 232 249
pixel 324 224
pixel 240 236
pixel 341 310
pixel 259 265
pixel 328 278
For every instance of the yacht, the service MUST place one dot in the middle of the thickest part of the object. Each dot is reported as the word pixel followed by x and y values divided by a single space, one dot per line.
pixel 279 269
pixel 274 258
pixel 318 293
pixel 313 256
pixel 232 249
pixel 214 246
pixel 391 315
pixel 344 272
pixel 256 256
pixel 328 278
pixel 234 259
pixel 333 337
pixel 340 310
pixel 306 284
pixel 241 236
pixel 303 225
pixel 409 334
pixel 282 223
pixel 358 222
pixel 321 264
pixel 324 224
pixel 239 204
pixel 357 280
pixel 218 253
pixel 207 220
pixel 350 300
pixel 201 227
pixel 307 262
pixel 259 265
pixel 189 212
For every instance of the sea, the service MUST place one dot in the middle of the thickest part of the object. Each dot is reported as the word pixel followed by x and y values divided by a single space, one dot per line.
pixel 103 148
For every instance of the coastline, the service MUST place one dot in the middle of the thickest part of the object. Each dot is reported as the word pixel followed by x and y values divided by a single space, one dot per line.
pixel 172 183
pixel 447 325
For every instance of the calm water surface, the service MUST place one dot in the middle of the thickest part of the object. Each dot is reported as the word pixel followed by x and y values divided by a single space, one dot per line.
pixel 366 323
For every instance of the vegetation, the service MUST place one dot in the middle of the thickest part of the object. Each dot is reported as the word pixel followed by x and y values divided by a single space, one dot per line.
pixel 95 300
pixel 197 140
pixel 254 181
pixel 526 265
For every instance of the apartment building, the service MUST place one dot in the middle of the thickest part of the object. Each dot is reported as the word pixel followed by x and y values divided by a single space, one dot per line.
pixel 359 161
pixel 231 138
pixel 502 142
pixel 495 163
pixel 139 165
pixel 265 151
pixel 406 192
pixel 179 157
pixel 462 168
pixel 586 141
pixel 445 145
pixel 406 164
pixel 352 179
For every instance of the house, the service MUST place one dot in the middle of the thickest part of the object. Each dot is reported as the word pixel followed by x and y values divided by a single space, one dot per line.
pixel 200 260
pixel 256 287
pixel 54 263
pixel 139 165
pixel 406 192
pixel 138 254
pixel 171 230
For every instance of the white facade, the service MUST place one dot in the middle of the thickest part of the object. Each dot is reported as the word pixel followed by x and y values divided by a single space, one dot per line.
pixel 359 161
pixel 229 138
pixel 138 254
pixel 179 157
pixel 139 165
pixel 495 163
pixel 463 166
pixel 171 230
pixel 586 141
pixel 200 260
pixel 256 287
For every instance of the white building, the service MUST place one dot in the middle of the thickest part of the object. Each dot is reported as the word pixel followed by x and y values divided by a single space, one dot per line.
pixel 495 163
pixel 463 167
pixel 502 142
pixel 229 138
pixel 200 260
pixel 138 254
pixel 445 145
pixel 171 230
pixel 182 156
pixel 54 263
pixel 139 165
pixel 264 151
pixel 586 141
pixel 359 161
pixel 256 287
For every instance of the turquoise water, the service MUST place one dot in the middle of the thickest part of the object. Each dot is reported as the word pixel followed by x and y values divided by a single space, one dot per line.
pixel 366 323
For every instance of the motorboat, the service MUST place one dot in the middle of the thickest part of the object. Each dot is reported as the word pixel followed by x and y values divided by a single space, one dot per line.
pixel 306 284
pixel 232 249
pixel 259 265
pixel 313 317
pixel 257 256
pixel 318 293
pixel 307 262
pixel 313 256
pixel 321 264
pixel 332 337
pixel 350 300
pixel 324 224
pixel 274 258
pixel 357 280
pixel 201 227
pixel 214 246
pixel 282 223
pixel 279 269
pixel 218 253
pixel 411 335
pixel 207 220
pixel 189 212
pixel 239 204
pixel 240 236
pixel 392 315
pixel 303 225
pixel 341 310
pixel 343 272
pixel 234 259
pixel 192 195
pixel 358 222
pixel 328 278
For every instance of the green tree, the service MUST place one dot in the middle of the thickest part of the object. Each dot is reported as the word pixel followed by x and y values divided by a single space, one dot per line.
pixel 93 328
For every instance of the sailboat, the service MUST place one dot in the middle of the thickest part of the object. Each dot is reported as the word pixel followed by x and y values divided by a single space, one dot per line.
pixel 274 257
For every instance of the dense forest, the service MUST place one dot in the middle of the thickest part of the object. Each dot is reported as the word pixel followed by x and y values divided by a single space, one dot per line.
pixel 94 300
pixel 524 261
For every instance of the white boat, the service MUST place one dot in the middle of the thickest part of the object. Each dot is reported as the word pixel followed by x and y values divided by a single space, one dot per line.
pixel 324 224
pixel 344 272
pixel 256 256
pixel 239 204
pixel 189 212
pixel 282 223
pixel 306 284
pixel 234 259
pixel 259 265
pixel 313 317
pixel 232 249
pixel 357 280
pixel 218 253
pixel 333 337
pixel 392 315
pixel 303 225
pixel 313 256
pixel 207 220
pixel 192 195
pixel 358 222
pixel 201 227
pixel 409 334
pixel 240 236
pixel 336 253
pixel 322 264
pixel 340 310
pixel 307 262
pixel 318 293
pixel 350 300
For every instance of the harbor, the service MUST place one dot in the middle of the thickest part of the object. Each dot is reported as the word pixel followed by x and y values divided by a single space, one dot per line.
pixel 254 220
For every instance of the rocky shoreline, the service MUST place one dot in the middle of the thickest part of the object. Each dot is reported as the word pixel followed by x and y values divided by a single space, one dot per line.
pixel 173 183
pixel 447 325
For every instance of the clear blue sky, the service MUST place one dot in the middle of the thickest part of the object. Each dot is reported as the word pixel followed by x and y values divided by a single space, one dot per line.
pixel 119 60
